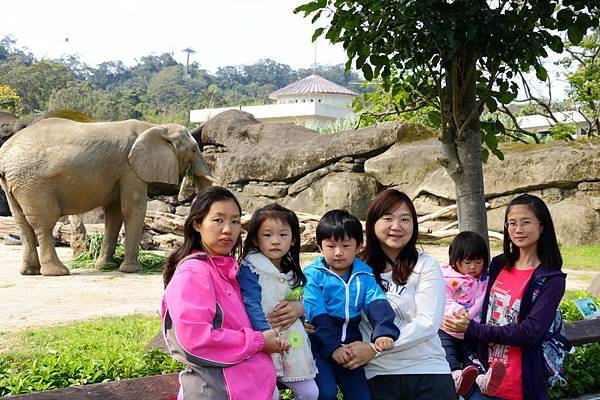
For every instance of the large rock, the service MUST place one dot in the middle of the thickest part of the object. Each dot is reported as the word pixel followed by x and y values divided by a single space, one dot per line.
pixel 344 190
pixel 414 168
pixel 286 152
pixel 575 222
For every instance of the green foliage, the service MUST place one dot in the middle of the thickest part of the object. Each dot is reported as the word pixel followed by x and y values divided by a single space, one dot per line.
pixel 111 348
pixel 10 100
pixel 564 131
pixel 150 261
pixel 582 369
pixel 329 128
pixel 585 80
pixel 456 56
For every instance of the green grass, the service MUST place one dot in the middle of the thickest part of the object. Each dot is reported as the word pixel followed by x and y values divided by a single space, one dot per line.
pixel 581 257
pixel 109 348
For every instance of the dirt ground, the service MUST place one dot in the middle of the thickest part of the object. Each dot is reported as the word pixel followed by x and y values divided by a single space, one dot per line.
pixel 29 301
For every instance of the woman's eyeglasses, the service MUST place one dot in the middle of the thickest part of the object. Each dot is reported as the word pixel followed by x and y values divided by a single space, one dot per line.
pixel 522 224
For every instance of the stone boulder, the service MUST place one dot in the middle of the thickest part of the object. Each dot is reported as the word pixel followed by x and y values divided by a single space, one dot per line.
pixel 344 190
pixel 285 152
pixel 414 168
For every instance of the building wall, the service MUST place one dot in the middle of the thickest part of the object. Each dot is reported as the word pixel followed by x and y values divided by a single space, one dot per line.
pixel 291 112
pixel 333 99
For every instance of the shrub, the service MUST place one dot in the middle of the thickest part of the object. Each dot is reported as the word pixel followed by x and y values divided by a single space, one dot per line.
pixel 582 369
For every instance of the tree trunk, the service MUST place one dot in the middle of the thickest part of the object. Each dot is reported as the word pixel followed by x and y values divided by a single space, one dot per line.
pixel 462 149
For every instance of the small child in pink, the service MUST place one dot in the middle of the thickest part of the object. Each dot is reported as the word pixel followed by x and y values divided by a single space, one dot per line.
pixel 466 283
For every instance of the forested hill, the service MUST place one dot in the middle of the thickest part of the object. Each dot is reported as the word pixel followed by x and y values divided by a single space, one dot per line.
pixel 155 89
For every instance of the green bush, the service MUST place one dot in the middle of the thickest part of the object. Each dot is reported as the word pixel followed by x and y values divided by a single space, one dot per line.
pixel 151 262
pixel 582 369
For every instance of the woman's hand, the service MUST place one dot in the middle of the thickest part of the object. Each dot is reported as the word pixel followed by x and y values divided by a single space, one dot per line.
pixel 341 355
pixel 310 329
pixel 275 343
pixel 285 314
pixel 456 325
pixel 360 354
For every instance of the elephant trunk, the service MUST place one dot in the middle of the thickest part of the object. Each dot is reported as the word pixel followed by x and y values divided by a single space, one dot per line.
pixel 196 178
pixel 202 174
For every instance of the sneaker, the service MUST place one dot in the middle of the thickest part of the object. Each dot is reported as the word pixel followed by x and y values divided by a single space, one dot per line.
pixel 464 379
pixel 490 382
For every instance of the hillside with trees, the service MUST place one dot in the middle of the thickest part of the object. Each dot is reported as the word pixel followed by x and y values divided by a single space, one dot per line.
pixel 155 89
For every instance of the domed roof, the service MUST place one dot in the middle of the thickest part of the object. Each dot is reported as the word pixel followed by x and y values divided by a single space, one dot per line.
pixel 312 84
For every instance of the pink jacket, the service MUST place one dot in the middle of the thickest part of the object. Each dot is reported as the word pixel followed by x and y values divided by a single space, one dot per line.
pixel 206 327
pixel 463 292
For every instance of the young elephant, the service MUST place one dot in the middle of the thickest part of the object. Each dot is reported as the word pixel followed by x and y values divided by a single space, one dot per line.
pixel 59 167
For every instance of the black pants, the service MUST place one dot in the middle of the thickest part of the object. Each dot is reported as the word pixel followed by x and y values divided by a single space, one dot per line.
pixel 460 353
pixel 412 387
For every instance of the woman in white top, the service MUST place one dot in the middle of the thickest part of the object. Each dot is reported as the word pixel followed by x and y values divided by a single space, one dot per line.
pixel 416 368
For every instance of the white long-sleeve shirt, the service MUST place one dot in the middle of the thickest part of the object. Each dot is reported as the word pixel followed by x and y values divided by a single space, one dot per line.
pixel 419 308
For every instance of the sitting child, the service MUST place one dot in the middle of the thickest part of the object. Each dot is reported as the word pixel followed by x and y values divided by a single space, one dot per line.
pixel 466 282
pixel 339 287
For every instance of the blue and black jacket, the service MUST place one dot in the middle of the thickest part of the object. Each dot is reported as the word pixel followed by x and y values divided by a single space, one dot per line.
pixel 334 305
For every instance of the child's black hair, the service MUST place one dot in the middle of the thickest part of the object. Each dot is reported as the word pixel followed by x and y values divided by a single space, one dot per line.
pixel 468 245
pixel 339 224
pixel 291 261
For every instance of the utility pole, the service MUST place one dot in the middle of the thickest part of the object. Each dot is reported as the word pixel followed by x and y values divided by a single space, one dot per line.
pixel 189 51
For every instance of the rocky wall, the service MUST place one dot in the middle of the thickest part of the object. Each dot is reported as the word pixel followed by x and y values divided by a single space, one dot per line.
pixel 313 173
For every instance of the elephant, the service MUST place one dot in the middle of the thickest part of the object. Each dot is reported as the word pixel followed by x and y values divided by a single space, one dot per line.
pixel 61 167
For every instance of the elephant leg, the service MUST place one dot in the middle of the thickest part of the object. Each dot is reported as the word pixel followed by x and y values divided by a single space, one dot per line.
pixel 133 206
pixel 112 225
pixel 30 263
pixel 42 226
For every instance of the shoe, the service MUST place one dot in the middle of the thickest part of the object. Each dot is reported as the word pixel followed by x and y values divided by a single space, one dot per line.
pixel 490 382
pixel 464 379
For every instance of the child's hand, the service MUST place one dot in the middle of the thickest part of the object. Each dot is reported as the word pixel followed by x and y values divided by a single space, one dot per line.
pixel 341 355
pixel 459 313
pixel 384 343
pixel 284 344
pixel 272 341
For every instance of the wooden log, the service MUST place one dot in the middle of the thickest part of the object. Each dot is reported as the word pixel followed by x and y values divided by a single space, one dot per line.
pixel 581 332
pixel 164 222
pixel 158 387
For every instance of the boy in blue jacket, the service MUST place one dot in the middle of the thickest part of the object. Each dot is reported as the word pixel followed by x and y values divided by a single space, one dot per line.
pixel 338 288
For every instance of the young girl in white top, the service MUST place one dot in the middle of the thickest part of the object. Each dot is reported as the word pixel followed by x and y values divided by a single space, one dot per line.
pixel 270 278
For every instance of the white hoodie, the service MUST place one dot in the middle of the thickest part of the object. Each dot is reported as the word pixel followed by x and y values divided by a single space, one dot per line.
pixel 419 308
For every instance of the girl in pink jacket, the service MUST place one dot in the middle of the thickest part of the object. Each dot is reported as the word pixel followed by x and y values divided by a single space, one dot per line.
pixel 204 319
pixel 466 282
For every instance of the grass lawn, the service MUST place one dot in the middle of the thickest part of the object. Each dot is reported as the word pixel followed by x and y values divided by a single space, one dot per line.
pixel 581 257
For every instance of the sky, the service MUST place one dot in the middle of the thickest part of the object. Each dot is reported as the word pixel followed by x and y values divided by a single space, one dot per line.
pixel 222 32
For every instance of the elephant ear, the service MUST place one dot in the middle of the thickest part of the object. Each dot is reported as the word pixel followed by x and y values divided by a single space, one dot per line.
pixel 153 157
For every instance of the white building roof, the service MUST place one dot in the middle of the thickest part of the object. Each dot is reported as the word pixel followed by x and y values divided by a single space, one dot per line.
pixel 540 123
pixel 310 85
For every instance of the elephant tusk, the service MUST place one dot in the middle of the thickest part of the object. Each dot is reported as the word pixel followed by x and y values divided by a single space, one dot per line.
pixel 210 178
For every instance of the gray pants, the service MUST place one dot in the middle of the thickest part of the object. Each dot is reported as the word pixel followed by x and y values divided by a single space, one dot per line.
pixel 412 387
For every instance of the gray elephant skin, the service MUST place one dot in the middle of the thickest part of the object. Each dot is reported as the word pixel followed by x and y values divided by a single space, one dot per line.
pixel 60 167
